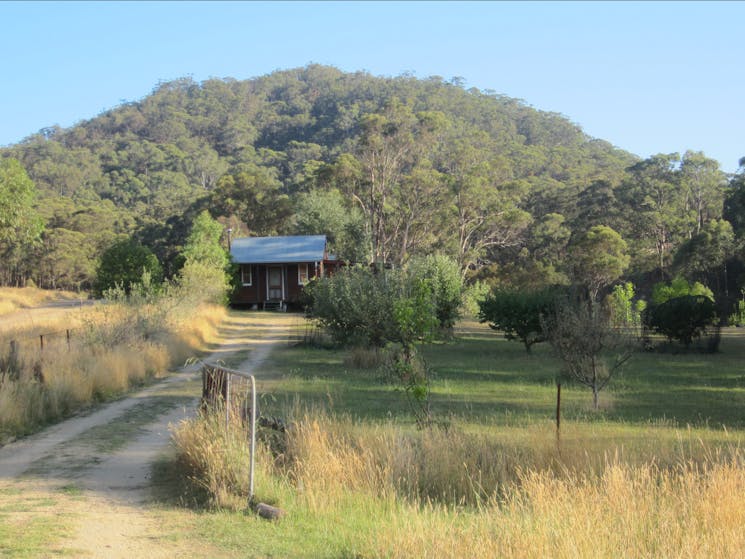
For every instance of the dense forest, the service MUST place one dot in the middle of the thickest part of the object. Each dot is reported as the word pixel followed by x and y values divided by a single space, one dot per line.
pixel 387 167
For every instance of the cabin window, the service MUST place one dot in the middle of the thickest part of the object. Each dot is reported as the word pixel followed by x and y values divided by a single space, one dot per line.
pixel 246 276
pixel 302 274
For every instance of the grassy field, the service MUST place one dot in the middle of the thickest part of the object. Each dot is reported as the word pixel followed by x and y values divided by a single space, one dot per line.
pixel 481 379
pixel 657 472
pixel 15 298
pixel 112 349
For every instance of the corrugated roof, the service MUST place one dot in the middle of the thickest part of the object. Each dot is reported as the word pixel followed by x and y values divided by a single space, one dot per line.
pixel 275 250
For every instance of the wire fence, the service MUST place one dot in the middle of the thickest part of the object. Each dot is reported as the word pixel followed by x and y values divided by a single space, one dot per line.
pixel 44 340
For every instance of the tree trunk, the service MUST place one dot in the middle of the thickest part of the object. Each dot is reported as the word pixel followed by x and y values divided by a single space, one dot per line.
pixel 595 394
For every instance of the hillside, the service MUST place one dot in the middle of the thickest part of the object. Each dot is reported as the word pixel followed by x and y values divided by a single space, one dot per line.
pixel 388 167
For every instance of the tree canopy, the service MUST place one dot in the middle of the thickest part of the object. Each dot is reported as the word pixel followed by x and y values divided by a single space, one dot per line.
pixel 392 168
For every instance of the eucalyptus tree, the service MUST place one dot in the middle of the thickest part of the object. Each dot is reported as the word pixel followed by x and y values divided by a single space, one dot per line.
pixel 485 202
pixel 20 224
pixel 655 212
pixel 386 153
pixel 399 187
pixel 598 258
pixel 704 184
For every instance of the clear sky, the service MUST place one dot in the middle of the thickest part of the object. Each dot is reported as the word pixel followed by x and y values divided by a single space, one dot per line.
pixel 649 77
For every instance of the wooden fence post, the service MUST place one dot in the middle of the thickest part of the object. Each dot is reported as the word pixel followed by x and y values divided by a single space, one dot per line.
pixel 558 415
pixel 41 341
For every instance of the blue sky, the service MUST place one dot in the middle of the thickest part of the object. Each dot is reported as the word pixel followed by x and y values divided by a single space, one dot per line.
pixel 649 77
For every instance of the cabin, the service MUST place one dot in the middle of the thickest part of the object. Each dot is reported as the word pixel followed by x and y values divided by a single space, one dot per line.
pixel 273 270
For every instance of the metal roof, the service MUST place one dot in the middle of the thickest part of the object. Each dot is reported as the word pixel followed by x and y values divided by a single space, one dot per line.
pixel 276 250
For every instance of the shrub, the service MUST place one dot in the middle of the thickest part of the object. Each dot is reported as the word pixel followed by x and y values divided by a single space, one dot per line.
pixel 473 294
pixel 518 314
pixel 682 318
pixel 443 274
pixel 123 264
pixel 737 318
pixel 355 305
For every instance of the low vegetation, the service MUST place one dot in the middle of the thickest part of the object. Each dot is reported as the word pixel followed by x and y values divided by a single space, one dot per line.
pixel 13 299
pixel 111 349
pixel 143 329
pixel 657 471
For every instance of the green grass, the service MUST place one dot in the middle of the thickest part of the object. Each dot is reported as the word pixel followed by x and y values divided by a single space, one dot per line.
pixel 30 525
pixel 667 408
pixel 482 379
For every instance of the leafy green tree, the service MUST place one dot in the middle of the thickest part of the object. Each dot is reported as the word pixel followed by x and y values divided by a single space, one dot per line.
pixel 123 264
pixel 204 245
pixel 322 212
pixel 387 151
pixel 734 204
pixel 255 195
pixel 654 208
pixel 205 275
pixel 705 186
pixel 20 224
pixel 517 314
pixel 485 204
pixel 444 278
pixel 597 205
pixel 625 311
pixel 679 287
pixel 682 318
pixel 550 239
pixel 704 256
pixel 598 258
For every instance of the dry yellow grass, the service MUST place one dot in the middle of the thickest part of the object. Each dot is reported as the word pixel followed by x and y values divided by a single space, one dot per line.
pixel 413 486
pixel 105 357
pixel 14 298
pixel 690 512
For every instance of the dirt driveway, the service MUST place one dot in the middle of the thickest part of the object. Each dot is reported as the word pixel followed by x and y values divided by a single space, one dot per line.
pixel 94 471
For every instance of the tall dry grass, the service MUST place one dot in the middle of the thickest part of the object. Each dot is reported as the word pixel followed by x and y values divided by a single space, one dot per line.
pixel 629 511
pixel 451 494
pixel 112 348
pixel 14 298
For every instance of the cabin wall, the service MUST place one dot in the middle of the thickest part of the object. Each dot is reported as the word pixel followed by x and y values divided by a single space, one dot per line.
pixel 256 293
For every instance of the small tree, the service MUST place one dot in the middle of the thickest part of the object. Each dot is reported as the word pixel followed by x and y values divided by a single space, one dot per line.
pixel 205 275
pixel 361 307
pixel 625 312
pixel 203 243
pixel 414 320
pixel 682 318
pixel 517 314
pixel 123 264
pixel 446 283
pixel 592 352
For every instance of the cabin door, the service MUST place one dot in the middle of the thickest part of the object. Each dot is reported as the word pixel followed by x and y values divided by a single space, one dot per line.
pixel 275 289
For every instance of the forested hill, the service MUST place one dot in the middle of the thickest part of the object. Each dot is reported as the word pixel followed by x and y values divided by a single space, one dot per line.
pixel 389 167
